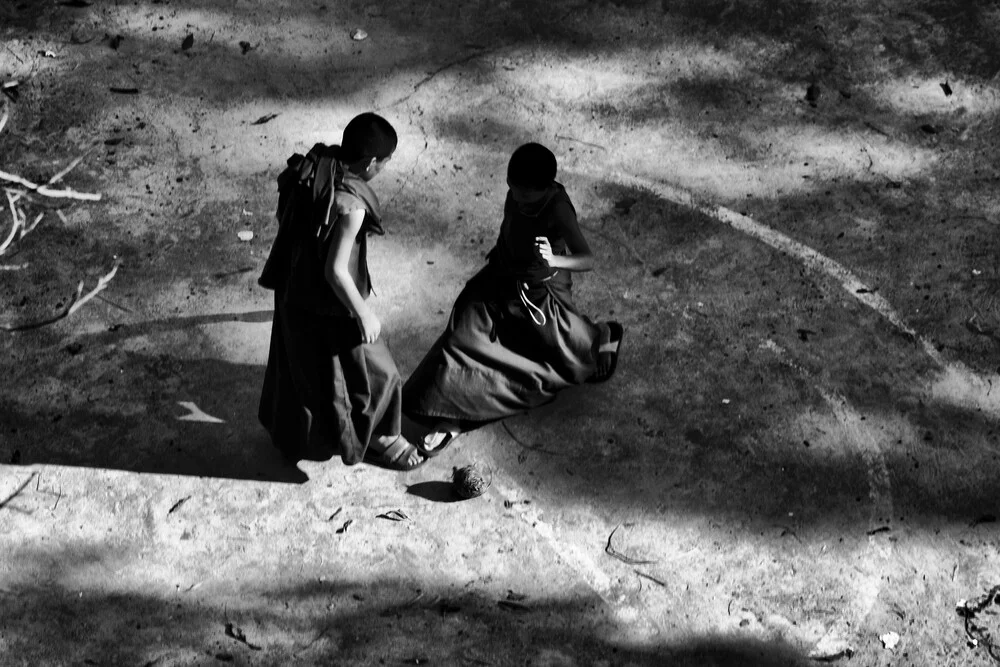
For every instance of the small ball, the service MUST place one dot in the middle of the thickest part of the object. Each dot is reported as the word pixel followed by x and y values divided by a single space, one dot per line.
pixel 469 481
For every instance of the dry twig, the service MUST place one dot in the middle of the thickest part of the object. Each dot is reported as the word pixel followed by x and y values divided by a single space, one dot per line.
pixel 47 191
pixel 73 306
pixel 6 501
pixel 15 225
pixel 72 165
pixel 614 553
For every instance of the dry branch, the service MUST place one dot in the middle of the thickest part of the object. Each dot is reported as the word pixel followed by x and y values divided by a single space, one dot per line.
pixel 101 284
pixel 15 224
pixel 25 229
pixel 72 165
pixel 73 306
pixel 47 191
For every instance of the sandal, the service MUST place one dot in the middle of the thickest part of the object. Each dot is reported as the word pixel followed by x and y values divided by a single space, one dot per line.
pixel 451 433
pixel 611 349
pixel 395 455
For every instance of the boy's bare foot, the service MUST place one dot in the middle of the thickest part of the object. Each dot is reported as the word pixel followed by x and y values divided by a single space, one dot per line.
pixel 607 352
pixel 444 434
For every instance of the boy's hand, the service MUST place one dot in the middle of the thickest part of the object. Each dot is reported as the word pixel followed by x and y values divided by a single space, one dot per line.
pixel 544 249
pixel 370 327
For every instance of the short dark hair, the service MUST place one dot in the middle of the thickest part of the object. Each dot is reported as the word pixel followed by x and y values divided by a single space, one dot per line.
pixel 532 166
pixel 367 136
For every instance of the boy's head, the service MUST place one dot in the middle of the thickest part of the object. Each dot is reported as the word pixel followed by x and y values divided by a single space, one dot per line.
pixel 368 136
pixel 532 167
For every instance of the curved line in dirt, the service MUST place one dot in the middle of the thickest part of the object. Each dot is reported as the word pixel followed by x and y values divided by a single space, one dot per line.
pixel 872 566
pixel 961 384
pixel 879 551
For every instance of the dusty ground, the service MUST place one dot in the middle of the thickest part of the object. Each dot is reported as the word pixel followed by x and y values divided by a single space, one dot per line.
pixel 795 205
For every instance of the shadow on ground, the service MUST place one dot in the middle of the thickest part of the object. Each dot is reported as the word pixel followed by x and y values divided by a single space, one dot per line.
pixel 344 623
pixel 103 406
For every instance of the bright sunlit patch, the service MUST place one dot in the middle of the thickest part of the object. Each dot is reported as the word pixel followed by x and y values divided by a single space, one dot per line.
pixel 961 387
pixel 938 95
pixel 614 76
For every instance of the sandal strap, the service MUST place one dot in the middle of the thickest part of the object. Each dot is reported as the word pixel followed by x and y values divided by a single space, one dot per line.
pixel 397 450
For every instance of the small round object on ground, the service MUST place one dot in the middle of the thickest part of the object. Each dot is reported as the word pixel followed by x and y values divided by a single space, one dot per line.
pixel 469 481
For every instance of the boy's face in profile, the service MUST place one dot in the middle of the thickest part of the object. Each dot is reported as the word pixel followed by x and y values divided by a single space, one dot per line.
pixel 375 167
pixel 523 195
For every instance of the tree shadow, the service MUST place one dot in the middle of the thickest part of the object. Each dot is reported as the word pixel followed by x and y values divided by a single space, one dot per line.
pixel 104 407
pixel 347 622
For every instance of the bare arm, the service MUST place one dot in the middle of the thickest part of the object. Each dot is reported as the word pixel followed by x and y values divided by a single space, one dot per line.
pixel 337 273
pixel 580 258
pixel 577 261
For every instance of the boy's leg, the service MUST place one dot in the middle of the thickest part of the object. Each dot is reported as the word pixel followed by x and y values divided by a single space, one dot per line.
pixel 380 418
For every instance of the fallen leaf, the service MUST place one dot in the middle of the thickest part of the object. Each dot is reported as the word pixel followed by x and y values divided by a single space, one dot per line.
pixel 187 43
pixel 196 414
pixel 177 505
pixel 946 88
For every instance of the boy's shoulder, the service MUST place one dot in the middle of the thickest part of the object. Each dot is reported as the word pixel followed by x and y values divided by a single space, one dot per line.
pixel 561 206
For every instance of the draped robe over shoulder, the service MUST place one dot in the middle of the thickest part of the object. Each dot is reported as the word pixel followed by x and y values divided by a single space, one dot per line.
pixel 323 388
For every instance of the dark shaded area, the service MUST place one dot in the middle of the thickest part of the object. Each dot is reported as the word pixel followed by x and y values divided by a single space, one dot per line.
pixel 344 623
pixel 129 420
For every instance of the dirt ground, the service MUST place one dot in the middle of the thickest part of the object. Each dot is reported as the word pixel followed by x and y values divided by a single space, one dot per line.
pixel 794 206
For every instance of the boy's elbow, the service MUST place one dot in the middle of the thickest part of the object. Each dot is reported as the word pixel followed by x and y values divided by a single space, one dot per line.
pixel 336 279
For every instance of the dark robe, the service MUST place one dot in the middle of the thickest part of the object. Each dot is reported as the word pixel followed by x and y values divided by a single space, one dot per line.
pixel 514 338
pixel 323 388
